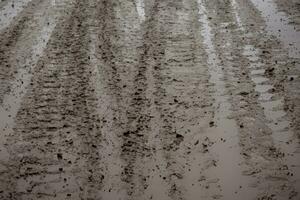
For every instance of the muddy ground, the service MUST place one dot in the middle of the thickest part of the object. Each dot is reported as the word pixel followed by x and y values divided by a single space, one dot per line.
pixel 149 99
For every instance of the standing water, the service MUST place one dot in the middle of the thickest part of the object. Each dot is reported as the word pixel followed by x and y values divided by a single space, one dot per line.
pixel 273 107
pixel 227 169
pixel 278 25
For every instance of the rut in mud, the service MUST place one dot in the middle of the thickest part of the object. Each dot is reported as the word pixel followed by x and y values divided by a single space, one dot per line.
pixel 149 99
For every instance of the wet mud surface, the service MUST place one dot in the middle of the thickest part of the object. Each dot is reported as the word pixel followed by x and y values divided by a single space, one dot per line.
pixel 149 99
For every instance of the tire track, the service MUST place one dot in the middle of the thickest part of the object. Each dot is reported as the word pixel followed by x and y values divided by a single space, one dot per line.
pixel 52 151
pixel 119 38
pixel 132 93
pixel 10 38
pixel 225 130
pixel 107 99
pixel 267 66
pixel 11 102
pixel 175 81
pixel 248 109
pixel 133 99
pixel 157 28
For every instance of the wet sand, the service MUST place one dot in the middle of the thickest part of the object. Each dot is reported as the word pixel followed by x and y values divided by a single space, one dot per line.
pixel 163 100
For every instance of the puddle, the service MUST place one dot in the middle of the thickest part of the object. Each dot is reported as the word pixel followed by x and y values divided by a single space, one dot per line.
pixel 12 101
pixel 273 109
pixel 278 25
pixel 228 168
pixel 263 87
pixel 10 11
pixel 140 6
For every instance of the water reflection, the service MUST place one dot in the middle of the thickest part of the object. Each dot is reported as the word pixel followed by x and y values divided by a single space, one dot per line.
pixel 278 25
pixel 140 6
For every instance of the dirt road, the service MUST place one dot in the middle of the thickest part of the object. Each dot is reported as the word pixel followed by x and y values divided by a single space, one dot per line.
pixel 149 99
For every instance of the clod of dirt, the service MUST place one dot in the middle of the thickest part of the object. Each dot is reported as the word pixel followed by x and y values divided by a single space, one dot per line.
pixel 126 134
pixel 270 71
pixel 244 93
pixel 178 136
pixel 59 156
